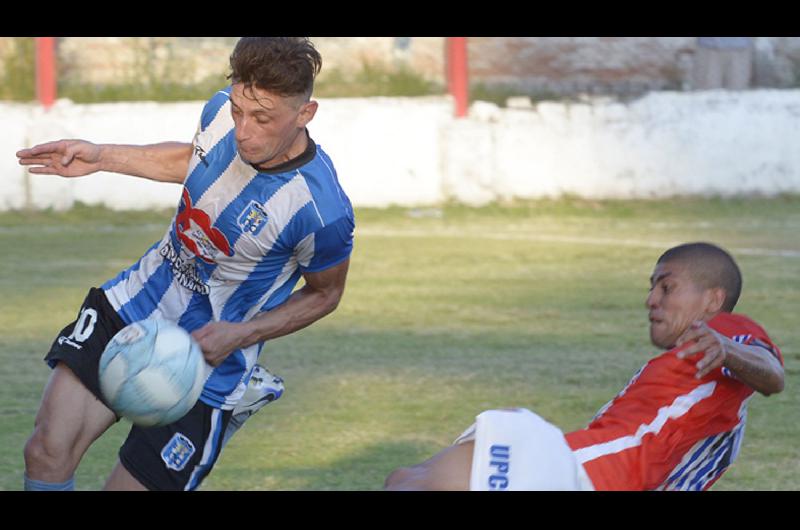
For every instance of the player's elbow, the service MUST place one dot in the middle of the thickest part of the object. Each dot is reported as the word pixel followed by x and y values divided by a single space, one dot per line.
pixel 775 385
pixel 331 298
pixel 778 388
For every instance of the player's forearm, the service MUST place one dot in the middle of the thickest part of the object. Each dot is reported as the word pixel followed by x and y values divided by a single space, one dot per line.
pixel 301 309
pixel 756 367
pixel 163 162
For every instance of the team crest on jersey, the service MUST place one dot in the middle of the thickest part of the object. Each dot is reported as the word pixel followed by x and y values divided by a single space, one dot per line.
pixel 194 229
pixel 253 218
pixel 177 452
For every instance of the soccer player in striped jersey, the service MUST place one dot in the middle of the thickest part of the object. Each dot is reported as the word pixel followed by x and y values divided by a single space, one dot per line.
pixel 677 425
pixel 261 208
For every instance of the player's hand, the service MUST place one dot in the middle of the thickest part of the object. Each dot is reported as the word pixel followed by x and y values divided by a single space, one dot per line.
pixel 218 340
pixel 67 158
pixel 702 338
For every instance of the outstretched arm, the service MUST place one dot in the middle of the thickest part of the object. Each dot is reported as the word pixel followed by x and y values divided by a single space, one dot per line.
pixel 318 297
pixel 163 162
pixel 755 366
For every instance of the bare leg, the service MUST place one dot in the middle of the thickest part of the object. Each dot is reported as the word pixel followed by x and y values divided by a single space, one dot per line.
pixel 448 470
pixel 69 420
pixel 122 480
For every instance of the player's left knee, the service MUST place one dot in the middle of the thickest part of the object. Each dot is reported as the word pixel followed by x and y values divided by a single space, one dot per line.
pixel 45 457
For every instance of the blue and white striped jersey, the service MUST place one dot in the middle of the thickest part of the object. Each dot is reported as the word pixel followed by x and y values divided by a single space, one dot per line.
pixel 238 244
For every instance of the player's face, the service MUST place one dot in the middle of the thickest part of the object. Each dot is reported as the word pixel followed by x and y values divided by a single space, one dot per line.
pixel 674 302
pixel 269 128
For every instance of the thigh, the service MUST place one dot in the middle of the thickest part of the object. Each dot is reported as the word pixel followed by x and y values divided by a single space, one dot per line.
pixel 176 456
pixel 70 417
pixel 448 470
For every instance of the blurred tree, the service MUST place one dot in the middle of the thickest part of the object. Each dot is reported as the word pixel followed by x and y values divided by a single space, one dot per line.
pixel 18 81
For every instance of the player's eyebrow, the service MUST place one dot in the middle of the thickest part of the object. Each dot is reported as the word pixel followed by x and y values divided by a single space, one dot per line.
pixel 262 110
pixel 655 279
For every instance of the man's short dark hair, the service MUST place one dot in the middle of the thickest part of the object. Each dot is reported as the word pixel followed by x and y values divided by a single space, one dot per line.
pixel 285 66
pixel 711 267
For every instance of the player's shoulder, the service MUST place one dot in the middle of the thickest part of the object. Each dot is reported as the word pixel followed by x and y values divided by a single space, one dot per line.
pixel 213 105
pixel 743 329
pixel 323 181
pixel 324 157
pixel 735 324
pixel 319 167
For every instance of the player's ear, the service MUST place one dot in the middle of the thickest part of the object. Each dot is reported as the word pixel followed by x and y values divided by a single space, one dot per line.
pixel 307 112
pixel 715 299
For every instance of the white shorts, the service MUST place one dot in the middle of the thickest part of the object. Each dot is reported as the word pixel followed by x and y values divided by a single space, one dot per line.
pixel 516 450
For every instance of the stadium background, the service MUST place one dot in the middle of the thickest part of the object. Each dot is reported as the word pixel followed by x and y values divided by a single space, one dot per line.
pixel 501 259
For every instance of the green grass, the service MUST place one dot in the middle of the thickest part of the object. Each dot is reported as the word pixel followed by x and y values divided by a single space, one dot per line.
pixel 499 94
pixel 447 312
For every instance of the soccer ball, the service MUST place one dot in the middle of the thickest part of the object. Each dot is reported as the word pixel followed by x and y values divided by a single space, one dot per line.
pixel 152 372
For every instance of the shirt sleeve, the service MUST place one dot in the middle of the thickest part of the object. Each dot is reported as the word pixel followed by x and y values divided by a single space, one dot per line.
pixel 328 246
pixel 767 346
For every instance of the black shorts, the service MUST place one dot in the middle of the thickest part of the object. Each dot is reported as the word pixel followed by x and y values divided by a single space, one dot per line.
pixel 173 457
pixel 177 456
pixel 81 344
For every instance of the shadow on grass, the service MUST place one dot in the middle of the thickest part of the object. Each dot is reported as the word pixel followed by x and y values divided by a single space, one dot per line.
pixel 364 470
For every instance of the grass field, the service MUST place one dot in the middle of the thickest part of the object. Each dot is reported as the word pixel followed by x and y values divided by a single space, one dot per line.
pixel 447 312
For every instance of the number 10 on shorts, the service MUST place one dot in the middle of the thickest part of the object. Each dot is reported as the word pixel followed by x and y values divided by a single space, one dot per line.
pixel 83 329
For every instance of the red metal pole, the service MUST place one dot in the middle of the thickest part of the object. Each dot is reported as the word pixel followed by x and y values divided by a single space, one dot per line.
pixel 457 74
pixel 46 70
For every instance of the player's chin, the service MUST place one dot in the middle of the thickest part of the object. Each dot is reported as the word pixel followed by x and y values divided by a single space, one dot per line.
pixel 251 157
pixel 659 338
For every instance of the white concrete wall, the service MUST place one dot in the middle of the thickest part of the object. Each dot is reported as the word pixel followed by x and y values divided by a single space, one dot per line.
pixel 386 150
pixel 666 144
pixel 410 151
pixel 15 122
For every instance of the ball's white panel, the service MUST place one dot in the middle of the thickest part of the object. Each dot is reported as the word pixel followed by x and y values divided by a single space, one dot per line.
pixel 113 378
pixel 170 341
pixel 147 420
pixel 200 377
pixel 157 388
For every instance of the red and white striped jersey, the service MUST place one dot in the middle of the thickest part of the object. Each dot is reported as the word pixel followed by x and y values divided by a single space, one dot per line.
pixel 666 429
